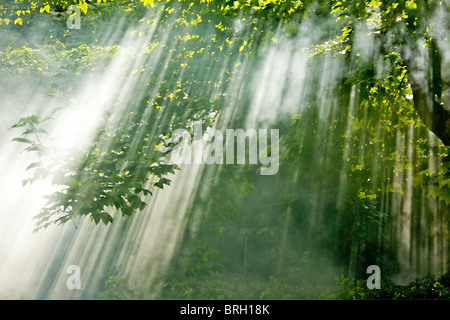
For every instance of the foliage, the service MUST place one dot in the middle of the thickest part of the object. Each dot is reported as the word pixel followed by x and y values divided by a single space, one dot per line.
pixel 111 174
pixel 220 288
pixel 114 287
pixel 340 206
pixel 428 287
pixel 246 289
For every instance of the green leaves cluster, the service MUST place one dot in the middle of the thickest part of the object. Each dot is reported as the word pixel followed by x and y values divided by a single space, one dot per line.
pixel 123 164
pixel 107 176
pixel 428 287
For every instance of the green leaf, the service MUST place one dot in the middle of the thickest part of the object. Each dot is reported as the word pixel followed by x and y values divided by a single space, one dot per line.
pixel 96 218
pixel 146 192
pixel 34 147
pixel 45 8
pixel 412 5
pixel 148 3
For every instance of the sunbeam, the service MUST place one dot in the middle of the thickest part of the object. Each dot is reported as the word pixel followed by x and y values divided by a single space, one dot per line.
pixel 215 150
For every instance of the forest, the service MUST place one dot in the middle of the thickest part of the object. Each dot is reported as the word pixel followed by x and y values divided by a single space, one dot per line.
pixel 214 149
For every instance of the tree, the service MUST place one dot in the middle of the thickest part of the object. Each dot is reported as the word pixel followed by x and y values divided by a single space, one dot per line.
pixel 414 31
